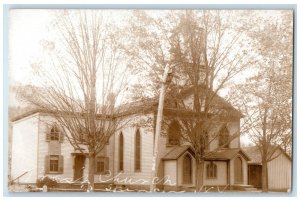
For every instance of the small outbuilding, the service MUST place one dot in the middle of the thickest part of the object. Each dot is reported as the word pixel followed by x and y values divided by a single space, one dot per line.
pixel 279 169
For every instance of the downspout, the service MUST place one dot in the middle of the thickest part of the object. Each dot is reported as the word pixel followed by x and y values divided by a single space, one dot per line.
pixel 38 145
pixel 113 162
pixel 228 173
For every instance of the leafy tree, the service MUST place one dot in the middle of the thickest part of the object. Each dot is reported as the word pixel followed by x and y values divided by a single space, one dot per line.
pixel 266 97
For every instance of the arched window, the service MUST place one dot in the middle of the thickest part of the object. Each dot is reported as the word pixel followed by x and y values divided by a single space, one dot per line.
pixel 174 133
pixel 54 134
pixel 238 170
pixel 224 137
pixel 187 169
pixel 211 170
pixel 137 161
pixel 121 152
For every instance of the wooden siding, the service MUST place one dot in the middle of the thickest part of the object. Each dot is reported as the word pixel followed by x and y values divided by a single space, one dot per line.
pixel 65 150
pixel 146 156
pixel 221 178
pixel 24 149
pixel 279 173
pixel 170 172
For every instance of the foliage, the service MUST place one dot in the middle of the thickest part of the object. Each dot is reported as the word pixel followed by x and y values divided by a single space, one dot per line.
pixel 266 97
pixel 48 181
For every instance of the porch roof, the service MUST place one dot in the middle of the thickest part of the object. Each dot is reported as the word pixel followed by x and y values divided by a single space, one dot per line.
pixel 254 154
pixel 221 154
pixel 177 151
pixel 225 154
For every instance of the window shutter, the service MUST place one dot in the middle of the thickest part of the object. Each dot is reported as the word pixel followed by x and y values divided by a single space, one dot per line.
pixel 96 165
pixel 47 164
pixel 60 164
pixel 106 165
pixel 48 134
pixel 61 137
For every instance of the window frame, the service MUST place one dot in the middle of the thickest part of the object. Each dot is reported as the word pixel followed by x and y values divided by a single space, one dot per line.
pixel 224 137
pixel 54 133
pixel 184 182
pixel 137 151
pixel 53 158
pixel 121 152
pixel 175 137
pixel 211 170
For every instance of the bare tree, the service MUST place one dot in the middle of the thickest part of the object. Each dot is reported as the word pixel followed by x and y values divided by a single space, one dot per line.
pixel 208 52
pixel 266 97
pixel 84 83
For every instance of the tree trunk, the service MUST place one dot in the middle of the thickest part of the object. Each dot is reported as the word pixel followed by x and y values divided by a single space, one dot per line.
pixel 91 179
pixel 264 176
pixel 199 173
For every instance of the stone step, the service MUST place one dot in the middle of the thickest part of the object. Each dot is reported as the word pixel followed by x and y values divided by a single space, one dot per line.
pixel 251 189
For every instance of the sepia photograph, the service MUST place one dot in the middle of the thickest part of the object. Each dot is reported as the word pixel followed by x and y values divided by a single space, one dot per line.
pixel 150 100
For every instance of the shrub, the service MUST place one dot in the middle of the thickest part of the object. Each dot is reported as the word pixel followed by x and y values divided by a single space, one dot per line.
pixel 49 182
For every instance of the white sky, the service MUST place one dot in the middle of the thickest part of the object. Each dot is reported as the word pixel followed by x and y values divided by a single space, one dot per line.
pixel 26 29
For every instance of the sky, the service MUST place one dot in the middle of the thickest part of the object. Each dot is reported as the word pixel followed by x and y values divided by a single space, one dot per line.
pixel 27 29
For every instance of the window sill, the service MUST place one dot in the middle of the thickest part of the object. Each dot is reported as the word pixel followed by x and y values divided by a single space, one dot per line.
pixel 54 173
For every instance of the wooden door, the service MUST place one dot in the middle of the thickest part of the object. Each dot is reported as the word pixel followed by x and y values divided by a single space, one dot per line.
pixel 187 170
pixel 254 175
pixel 238 171
pixel 78 167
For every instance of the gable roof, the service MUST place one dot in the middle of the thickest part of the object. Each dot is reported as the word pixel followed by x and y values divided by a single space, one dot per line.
pixel 225 154
pixel 222 154
pixel 217 100
pixel 150 104
pixel 254 153
pixel 177 151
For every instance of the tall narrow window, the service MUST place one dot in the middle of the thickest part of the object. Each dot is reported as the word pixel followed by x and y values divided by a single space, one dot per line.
pixel 187 169
pixel 121 152
pixel 137 161
pixel 224 137
pixel 174 133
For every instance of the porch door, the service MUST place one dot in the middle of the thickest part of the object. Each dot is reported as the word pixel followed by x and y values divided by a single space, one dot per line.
pixel 78 167
pixel 254 175
pixel 238 171
pixel 187 170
